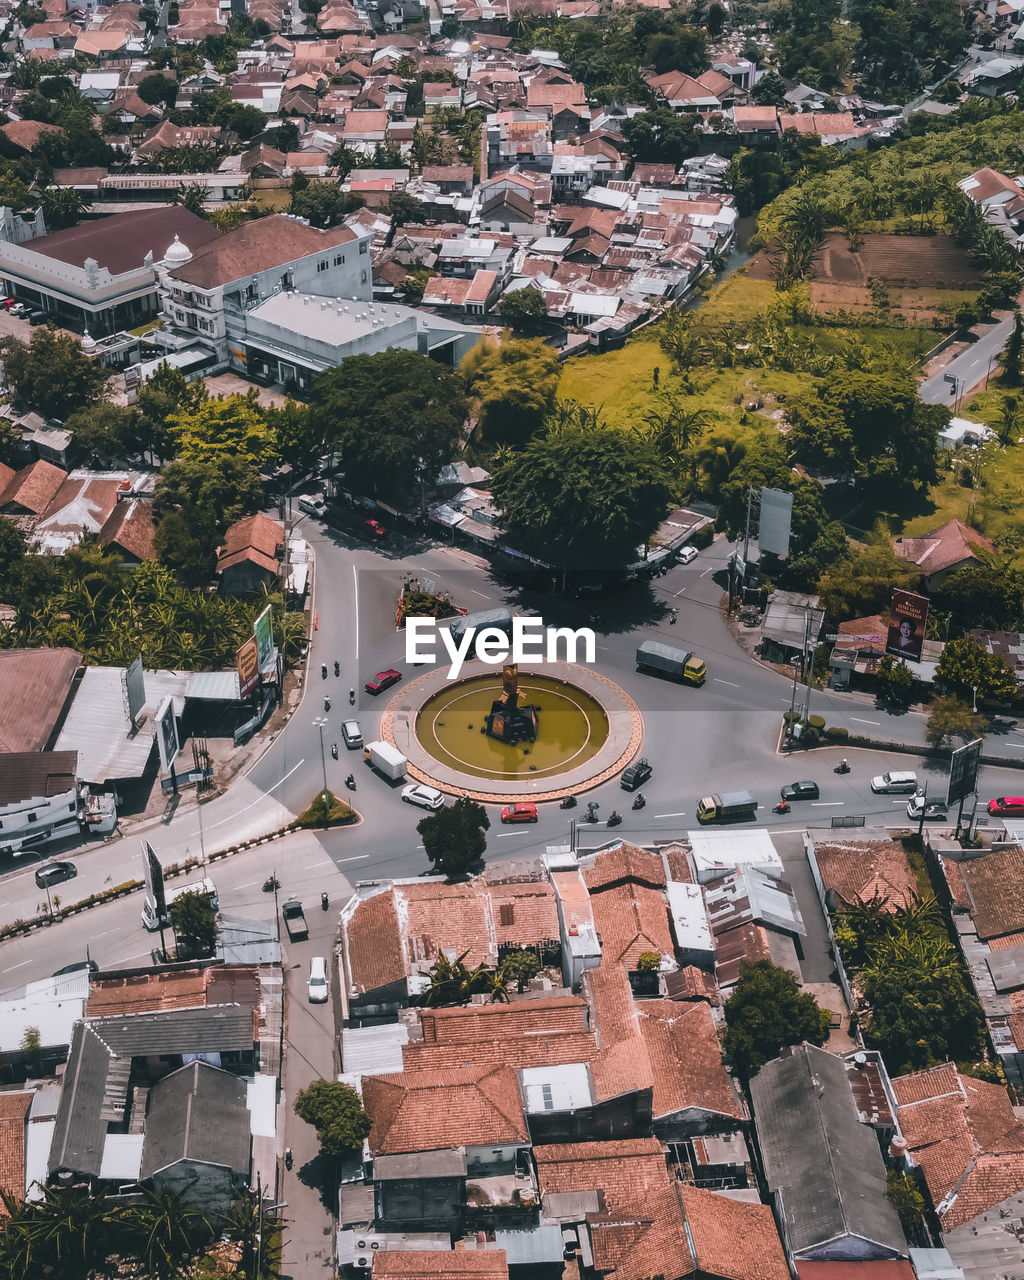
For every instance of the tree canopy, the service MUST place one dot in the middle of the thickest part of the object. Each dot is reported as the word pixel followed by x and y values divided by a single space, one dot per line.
pixel 51 374
pixel 965 666
pixel 523 309
pixel 194 921
pixel 515 383
pixel 392 418
pixel 454 836
pixel 766 1012
pixel 863 583
pixel 336 1113
pixel 582 498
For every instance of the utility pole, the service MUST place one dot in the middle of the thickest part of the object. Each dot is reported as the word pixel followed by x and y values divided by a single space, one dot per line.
pixel 808 661
pixel 320 722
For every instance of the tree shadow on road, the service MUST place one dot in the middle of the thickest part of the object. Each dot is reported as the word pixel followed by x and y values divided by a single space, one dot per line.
pixel 319 1175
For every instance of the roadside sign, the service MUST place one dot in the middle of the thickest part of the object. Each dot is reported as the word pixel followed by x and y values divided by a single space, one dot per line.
pixel 963 772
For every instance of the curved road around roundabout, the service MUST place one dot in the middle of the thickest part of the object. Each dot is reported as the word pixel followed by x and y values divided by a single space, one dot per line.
pixel 724 735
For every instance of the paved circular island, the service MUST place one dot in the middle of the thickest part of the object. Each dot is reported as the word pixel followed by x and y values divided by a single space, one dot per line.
pixel 594 730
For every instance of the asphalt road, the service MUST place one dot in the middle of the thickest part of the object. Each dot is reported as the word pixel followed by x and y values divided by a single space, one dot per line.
pixel 970 368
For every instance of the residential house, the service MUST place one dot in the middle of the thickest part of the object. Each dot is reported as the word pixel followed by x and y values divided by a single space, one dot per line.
pixel 40 798
pixel 31 490
pixel 35 691
pixel 944 550
pixel 757 126
pixel 251 556
pixel 82 506
pixel 1000 198
pixel 822 1164
pixel 464 298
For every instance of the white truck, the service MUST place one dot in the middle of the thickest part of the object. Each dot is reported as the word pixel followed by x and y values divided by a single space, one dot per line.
pixel 386 759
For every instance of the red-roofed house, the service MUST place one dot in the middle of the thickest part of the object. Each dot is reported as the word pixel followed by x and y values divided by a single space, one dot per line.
pixel 251 555
pixel 435 1264
pixel 13 1124
pixel 462 298
pixel 944 550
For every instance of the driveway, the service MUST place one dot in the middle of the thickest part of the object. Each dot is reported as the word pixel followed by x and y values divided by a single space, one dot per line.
pixel 230 384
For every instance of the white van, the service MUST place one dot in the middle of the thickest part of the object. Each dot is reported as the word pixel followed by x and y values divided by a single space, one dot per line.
pixel 894 782
pixel 313 505
pixel 149 914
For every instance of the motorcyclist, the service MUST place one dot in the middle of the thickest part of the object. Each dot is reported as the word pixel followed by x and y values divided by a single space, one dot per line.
pixel 325 901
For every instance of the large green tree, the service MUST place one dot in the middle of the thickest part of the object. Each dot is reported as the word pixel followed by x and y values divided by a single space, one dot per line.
pixel 226 425
pixel 166 393
pixel 194 921
pixel 952 719
pixel 515 383
pixel 659 135
pixel 766 1012
pixel 454 836
pixel 965 666
pixel 863 583
pixel 51 374
pixel 393 418
pixel 582 499
pixel 107 432
pixel 524 309
pixel 336 1113
pixel 985 595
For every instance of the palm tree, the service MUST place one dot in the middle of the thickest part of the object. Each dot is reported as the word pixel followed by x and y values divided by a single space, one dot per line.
pixel 68 1232
pixel 717 458
pixel 165 1228
pixel 254 1228
pixel 674 427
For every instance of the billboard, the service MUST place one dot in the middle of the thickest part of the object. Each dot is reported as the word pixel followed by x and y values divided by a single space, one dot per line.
pixel 263 630
pixel 776 518
pixel 167 734
pixel 153 873
pixel 248 667
pixel 134 689
pixel 963 772
pixel 907 617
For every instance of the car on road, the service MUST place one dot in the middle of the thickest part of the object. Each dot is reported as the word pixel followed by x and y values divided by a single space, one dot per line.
pixel 318 989
pixel 374 529
pixel 636 775
pixel 1007 807
pixel 382 680
pixel 352 734
pixel 920 806
pixel 800 791
pixel 893 783
pixel 686 555
pixel 313 505
pixel 524 811
pixel 77 967
pixel 425 797
pixel 55 873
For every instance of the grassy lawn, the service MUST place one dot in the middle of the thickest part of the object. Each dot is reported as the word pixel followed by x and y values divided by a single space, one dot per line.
pixel 738 298
pixel 273 199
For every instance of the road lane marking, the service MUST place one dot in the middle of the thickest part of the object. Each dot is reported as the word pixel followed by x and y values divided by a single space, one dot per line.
pixel 249 884
pixel 361 858
pixel 730 683
pixel 221 821
pixel 681 814
pixel 9 968
pixel 681 591
pixel 709 569
pixel 860 721
pixel 504 835
pixel 824 804
pixel 479 593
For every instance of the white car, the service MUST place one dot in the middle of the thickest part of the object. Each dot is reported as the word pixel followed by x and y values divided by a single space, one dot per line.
pixel 318 990
pixel 313 505
pixel 887 783
pixel 686 555
pixel 425 797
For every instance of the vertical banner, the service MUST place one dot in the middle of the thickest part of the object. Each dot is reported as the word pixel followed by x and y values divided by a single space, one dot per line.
pixel 153 874
pixel 247 664
pixel 776 520
pixel 907 617
pixel 167 734
pixel 263 630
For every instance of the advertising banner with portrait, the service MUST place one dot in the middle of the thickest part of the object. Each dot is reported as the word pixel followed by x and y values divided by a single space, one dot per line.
pixel 907 617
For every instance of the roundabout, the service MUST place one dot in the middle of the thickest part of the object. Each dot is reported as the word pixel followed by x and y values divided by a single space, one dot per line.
pixel 589 729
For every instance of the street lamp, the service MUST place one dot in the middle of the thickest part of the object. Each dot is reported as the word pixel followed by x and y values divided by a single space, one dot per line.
pixel 42 858
pixel 974 698
pixel 320 723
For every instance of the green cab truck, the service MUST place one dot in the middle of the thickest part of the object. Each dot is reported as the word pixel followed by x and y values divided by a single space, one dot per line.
pixel 727 806
pixel 666 660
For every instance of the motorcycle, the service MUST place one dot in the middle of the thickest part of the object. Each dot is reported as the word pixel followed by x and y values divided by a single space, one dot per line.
pixel 270 884
pixel 842 767
pixel 334 750
pixel 615 819
pixel 781 807
pixel 351 697
pixel 350 782
pixel 327 704
pixel 639 802
pixel 568 803
pixel 323 670
pixel 592 809
pixel 288 1157
pixel 337 667
pixel 673 617
pixel 325 902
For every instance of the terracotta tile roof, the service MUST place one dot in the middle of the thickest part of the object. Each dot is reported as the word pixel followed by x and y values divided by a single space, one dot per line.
pixel 13 1111
pixel 944 547
pixel 861 869
pixel 130 528
pixel 967 1140
pixel 626 863
pixel 121 241
pixel 255 538
pixel 426 1264
pixel 524 913
pixel 257 246
pixel 994 884
pixel 686 1059
pixel 631 919
pixel 525 1033
pixel 7 474
pixel 146 993
pixel 374 956
pixel 33 487
pixel 440 915
pixel 622 1064
pixel 988 183
pixel 732 1239
pixel 437 1110
pixel 26 133
pixel 34 686
pixel 691 983
pixel 748 118
pixel 641 1232
pixel 678 863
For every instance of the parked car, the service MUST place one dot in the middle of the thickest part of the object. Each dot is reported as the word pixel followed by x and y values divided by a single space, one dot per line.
pixel 524 811
pixel 55 873
pixel 318 989
pixel 7 304
pixel 919 806
pixel 686 555
pixel 382 680
pixel 352 734
pixel 19 309
pixel 1007 807
pixel 637 774
pixel 374 529
pixel 425 797
pixel 313 505
pixel 800 791
pixel 37 317
pixel 887 783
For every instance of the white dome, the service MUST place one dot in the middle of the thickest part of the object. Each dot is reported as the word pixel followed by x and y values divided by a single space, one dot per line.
pixel 177 254
pixel 88 341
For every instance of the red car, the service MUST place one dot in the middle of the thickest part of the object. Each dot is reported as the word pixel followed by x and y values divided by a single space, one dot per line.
pixel 523 812
pixel 1007 807
pixel 382 680
pixel 375 529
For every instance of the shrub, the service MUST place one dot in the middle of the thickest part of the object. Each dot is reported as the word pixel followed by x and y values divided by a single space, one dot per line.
pixel 837 731
pixel 704 537
pixel 816 722
pixel 320 815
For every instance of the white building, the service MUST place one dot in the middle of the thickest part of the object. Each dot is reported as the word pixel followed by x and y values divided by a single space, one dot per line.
pixel 40 798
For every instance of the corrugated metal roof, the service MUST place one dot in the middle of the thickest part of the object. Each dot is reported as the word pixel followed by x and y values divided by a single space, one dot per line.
pixel 373 1050
pixel 212 686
